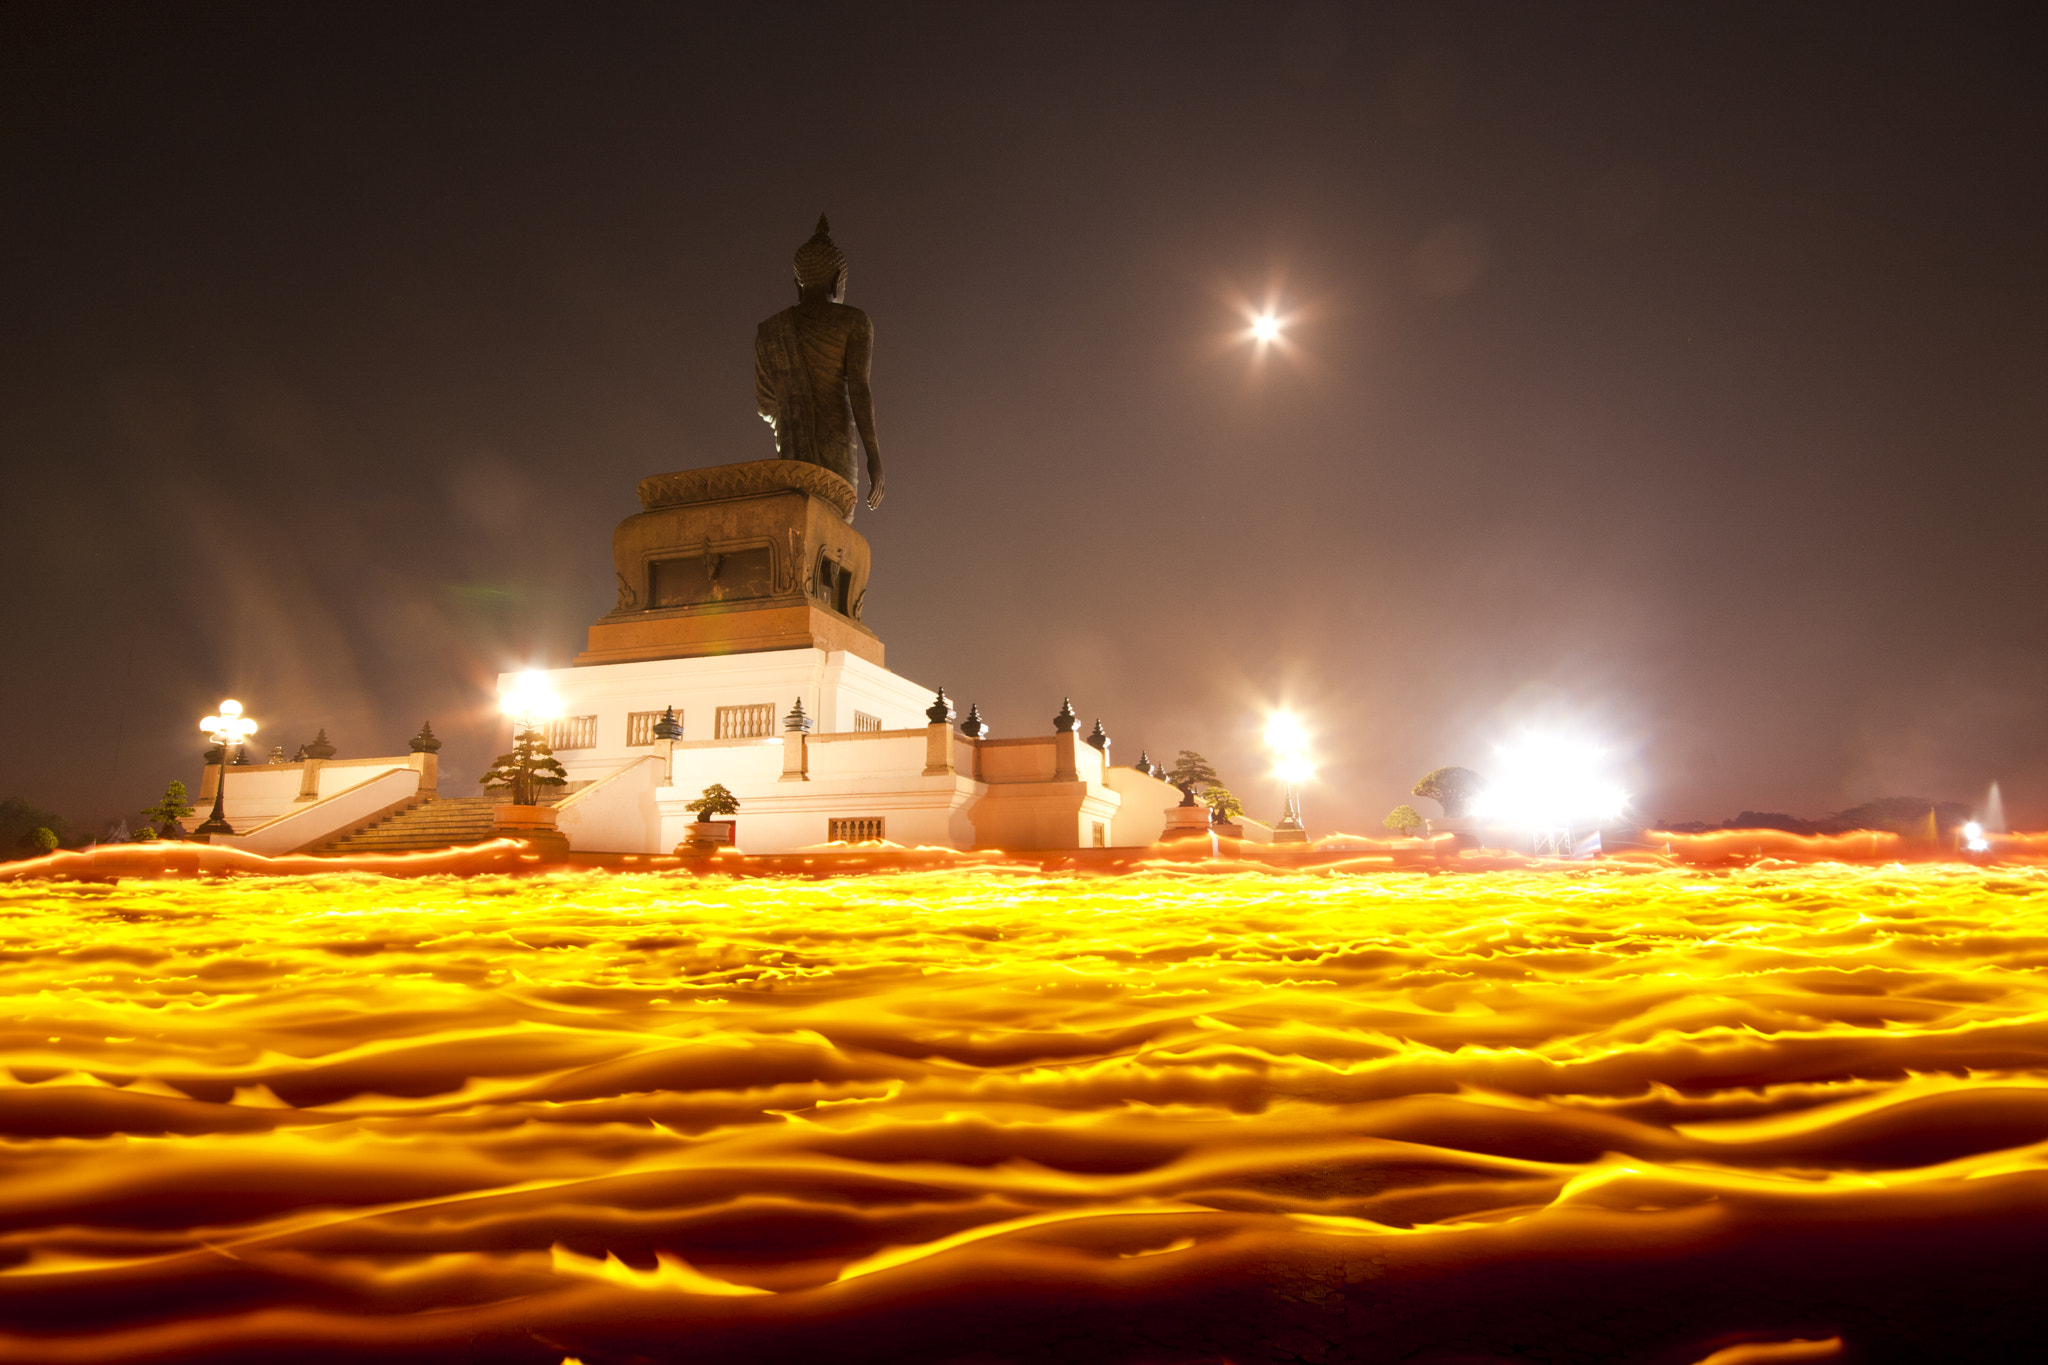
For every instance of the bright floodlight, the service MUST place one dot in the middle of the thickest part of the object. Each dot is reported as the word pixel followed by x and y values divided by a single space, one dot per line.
pixel 1293 768
pixel 1289 743
pixel 1973 838
pixel 1284 733
pixel 1548 782
pixel 1265 327
pixel 529 700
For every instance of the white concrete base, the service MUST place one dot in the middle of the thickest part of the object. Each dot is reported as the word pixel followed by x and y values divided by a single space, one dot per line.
pixel 925 784
pixel 836 687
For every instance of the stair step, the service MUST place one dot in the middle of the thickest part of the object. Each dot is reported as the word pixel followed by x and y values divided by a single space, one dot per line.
pixel 441 822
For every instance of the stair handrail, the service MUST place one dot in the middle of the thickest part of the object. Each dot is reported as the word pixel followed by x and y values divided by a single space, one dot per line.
pixel 324 807
pixel 575 796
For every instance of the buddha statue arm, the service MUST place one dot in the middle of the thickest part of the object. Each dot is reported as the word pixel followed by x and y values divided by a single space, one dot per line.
pixel 764 387
pixel 859 356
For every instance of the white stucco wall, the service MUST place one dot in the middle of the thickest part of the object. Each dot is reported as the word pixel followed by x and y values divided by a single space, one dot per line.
pixel 1142 817
pixel 833 686
pixel 618 814
pixel 258 792
pixel 305 826
pixel 1003 793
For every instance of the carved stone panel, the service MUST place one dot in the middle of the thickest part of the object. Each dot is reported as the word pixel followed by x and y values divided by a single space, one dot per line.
pixel 686 487
pixel 695 580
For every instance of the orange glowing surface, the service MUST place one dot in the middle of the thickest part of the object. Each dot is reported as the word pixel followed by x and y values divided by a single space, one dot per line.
pixel 996 1115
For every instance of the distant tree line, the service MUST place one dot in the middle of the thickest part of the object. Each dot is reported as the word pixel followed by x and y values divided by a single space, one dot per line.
pixel 28 830
pixel 1908 815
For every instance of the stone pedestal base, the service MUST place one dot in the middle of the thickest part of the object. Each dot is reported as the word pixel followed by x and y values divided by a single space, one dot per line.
pixel 1465 830
pixel 1290 836
pixel 1186 822
pixel 690 633
pixel 535 825
pixel 707 836
pixel 737 559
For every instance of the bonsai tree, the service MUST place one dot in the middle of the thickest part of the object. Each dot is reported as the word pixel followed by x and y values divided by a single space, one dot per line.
pixel 1451 788
pixel 1222 805
pixel 42 839
pixel 1193 775
pixel 715 804
pixel 167 812
pixel 1192 770
pixel 530 766
pixel 1403 820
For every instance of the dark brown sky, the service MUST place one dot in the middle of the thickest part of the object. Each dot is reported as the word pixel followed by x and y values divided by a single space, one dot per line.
pixel 1679 373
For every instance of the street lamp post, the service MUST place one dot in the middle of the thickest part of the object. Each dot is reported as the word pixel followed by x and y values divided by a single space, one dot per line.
pixel 1291 765
pixel 1293 770
pixel 227 730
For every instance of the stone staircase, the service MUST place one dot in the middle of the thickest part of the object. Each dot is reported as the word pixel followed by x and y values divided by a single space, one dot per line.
pixel 442 822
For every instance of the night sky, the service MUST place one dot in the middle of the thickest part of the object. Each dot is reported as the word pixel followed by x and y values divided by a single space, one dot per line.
pixel 1674 374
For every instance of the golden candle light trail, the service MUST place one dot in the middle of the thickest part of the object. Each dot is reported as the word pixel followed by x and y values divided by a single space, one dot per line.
pixel 1642 1115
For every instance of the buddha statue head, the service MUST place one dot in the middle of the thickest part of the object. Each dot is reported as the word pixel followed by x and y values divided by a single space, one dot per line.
pixel 821 266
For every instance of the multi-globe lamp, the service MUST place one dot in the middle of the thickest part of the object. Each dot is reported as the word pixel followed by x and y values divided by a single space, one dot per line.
pixel 228 730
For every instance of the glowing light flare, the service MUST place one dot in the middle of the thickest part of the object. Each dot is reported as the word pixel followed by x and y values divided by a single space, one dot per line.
pixel 1973 838
pixel 1549 782
pixel 1288 739
pixel 529 700
pixel 1285 734
pixel 230 726
pixel 1266 329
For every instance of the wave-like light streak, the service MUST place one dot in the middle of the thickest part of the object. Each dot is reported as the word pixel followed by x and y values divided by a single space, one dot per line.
pixel 1640 1114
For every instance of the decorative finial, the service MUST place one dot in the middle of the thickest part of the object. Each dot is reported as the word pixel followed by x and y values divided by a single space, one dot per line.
pixel 277 754
pixel 320 748
pixel 1098 738
pixel 796 720
pixel 668 727
pixel 1144 764
pixel 426 741
pixel 1066 720
pixel 941 710
pixel 974 727
pixel 824 228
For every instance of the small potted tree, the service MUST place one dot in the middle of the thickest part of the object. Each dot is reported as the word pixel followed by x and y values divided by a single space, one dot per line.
pixel 714 826
pixel 1224 811
pixel 1405 821
pixel 1193 817
pixel 528 770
